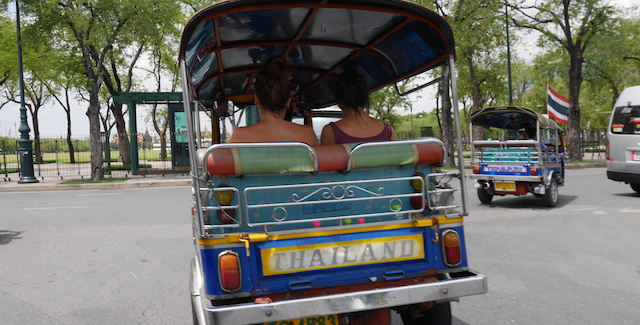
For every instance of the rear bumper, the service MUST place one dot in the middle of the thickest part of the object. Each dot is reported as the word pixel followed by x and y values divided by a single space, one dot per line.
pixel 482 177
pixel 623 177
pixel 462 284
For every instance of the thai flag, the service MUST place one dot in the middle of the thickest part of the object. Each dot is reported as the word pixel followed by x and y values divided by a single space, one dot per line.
pixel 557 106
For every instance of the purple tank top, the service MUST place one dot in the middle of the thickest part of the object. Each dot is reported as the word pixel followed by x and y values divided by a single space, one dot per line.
pixel 341 137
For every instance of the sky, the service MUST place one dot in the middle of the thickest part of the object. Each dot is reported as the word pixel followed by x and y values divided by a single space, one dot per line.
pixel 53 119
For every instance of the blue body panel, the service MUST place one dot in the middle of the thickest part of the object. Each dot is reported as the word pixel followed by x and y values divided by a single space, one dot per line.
pixel 256 283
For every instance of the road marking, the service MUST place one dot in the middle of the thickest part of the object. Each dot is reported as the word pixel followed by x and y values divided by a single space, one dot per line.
pixel 100 194
pixel 57 208
pixel 629 210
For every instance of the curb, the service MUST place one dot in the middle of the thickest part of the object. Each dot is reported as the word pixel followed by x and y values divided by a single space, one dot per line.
pixel 90 187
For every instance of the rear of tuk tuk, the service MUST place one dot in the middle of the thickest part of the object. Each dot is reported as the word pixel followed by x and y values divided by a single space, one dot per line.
pixel 518 151
pixel 286 233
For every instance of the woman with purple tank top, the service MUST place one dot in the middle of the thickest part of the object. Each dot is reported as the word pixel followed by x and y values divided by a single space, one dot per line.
pixel 356 125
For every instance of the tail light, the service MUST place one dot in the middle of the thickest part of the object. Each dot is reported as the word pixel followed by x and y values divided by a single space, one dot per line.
pixel 229 271
pixel 451 248
pixel 224 197
pixel 533 170
pixel 476 169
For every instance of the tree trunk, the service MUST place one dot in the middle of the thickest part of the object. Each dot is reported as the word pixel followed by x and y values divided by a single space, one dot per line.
pixel 36 137
pixel 478 132
pixel 447 119
pixel 72 156
pixel 573 128
pixel 123 136
pixel 93 112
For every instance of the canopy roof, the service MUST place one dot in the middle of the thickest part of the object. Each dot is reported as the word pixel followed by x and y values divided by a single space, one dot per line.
pixel 511 118
pixel 390 40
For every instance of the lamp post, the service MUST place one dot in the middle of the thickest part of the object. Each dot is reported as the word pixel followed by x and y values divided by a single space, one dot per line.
pixel 506 20
pixel 24 144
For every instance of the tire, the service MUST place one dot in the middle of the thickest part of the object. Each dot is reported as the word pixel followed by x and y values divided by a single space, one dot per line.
pixel 635 187
pixel 484 196
pixel 440 314
pixel 550 197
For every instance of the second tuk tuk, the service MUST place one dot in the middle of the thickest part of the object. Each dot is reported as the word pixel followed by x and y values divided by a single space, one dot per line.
pixel 522 152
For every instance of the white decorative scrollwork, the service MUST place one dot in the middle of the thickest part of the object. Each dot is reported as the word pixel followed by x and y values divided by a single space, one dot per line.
pixel 274 212
pixel 334 192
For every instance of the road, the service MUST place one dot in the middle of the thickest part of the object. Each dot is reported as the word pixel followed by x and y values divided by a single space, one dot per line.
pixel 95 257
pixel 122 257
pixel 577 263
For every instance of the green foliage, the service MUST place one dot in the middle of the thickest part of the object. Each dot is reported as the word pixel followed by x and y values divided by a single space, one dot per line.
pixel 8 144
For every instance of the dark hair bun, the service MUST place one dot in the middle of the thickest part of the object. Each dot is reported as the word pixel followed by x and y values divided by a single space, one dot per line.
pixel 276 69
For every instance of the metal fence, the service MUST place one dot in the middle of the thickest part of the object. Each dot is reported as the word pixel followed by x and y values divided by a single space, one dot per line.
pixel 55 160
pixel 593 144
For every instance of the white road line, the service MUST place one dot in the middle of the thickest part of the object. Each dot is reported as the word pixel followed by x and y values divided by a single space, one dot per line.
pixel 57 208
pixel 99 194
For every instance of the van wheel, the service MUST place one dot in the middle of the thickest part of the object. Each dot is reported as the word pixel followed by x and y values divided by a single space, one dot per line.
pixel 550 197
pixel 440 314
pixel 484 196
pixel 635 187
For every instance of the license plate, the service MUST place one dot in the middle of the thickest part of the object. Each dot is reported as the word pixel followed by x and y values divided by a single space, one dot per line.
pixel 635 155
pixel 318 320
pixel 505 186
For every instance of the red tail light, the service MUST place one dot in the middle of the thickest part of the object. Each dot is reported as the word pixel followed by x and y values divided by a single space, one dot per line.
pixel 534 171
pixel 229 271
pixel 451 248
pixel 476 169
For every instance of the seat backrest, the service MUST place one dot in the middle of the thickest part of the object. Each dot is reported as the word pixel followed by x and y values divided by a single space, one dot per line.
pixel 281 160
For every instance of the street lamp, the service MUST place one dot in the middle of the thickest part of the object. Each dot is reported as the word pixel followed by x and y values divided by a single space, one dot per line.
pixel 506 19
pixel 24 144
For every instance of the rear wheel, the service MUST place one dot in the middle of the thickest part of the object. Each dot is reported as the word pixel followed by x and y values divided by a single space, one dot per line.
pixel 635 187
pixel 550 197
pixel 440 314
pixel 484 196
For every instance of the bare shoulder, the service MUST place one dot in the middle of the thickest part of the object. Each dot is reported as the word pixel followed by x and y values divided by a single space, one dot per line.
pixel 327 136
pixel 242 134
pixel 308 136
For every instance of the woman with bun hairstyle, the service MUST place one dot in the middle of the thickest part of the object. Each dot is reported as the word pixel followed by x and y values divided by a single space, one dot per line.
pixel 272 90
pixel 356 126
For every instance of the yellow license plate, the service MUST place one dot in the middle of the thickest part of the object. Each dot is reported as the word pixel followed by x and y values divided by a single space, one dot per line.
pixel 505 186
pixel 318 320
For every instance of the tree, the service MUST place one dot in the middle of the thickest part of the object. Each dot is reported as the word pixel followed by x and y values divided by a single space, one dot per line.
pixel 610 67
pixel 8 58
pixel 571 25
pixel 101 30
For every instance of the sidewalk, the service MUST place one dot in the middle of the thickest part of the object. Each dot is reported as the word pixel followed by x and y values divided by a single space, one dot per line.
pixel 53 184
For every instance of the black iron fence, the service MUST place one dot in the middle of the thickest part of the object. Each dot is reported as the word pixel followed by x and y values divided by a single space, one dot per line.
pixel 55 160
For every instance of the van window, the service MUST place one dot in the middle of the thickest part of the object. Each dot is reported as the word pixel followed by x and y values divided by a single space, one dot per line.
pixel 626 120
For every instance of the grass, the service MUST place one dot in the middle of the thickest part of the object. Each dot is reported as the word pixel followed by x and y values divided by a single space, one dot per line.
pixel 83 157
pixel 88 181
pixel 584 162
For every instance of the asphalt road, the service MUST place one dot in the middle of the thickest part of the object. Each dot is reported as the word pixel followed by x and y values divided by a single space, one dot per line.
pixel 123 257
pixel 577 263
pixel 95 257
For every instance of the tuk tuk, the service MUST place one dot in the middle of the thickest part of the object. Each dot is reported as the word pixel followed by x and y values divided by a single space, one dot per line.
pixel 287 233
pixel 523 152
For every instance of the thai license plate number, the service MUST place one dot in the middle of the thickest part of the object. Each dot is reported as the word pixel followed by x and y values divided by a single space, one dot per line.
pixel 635 155
pixel 318 320
pixel 505 186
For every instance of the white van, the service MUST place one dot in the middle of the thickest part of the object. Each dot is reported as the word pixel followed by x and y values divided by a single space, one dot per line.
pixel 623 139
